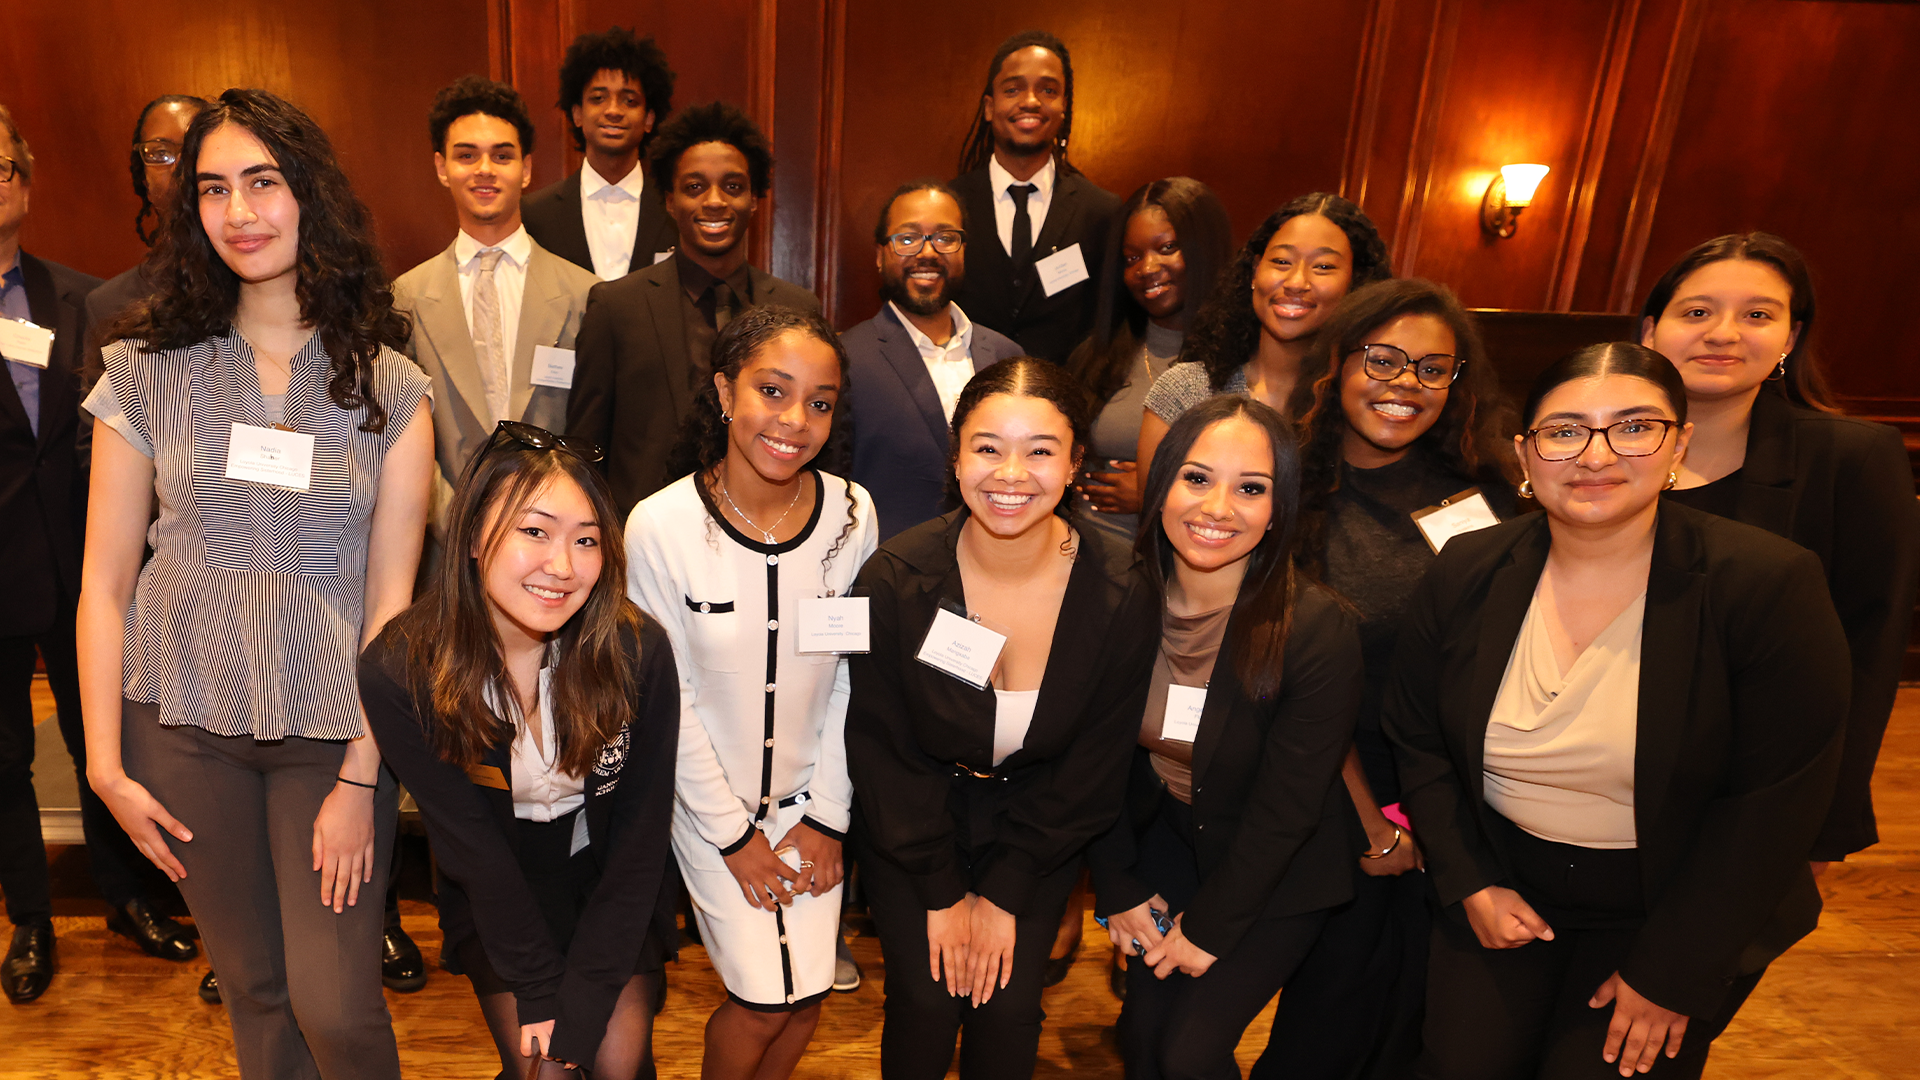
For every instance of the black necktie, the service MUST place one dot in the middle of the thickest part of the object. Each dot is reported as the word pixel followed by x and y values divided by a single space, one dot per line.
pixel 722 305
pixel 1022 250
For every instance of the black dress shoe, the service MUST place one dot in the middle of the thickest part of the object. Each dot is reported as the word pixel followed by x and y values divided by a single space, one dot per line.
pixel 29 965
pixel 210 989
pixel 1058 966
pixel 156 934
pixel 402 967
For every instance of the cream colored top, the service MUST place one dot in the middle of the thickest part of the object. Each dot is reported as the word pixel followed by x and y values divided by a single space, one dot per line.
pixel 1559 751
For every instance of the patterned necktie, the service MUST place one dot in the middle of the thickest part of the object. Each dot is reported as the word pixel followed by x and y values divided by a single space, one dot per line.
pixel 489 347
pixel 1022 251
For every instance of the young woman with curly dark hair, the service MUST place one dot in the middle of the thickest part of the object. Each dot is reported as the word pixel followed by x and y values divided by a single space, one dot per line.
pixel 257 397
pixel 1259 324
pixel 732 559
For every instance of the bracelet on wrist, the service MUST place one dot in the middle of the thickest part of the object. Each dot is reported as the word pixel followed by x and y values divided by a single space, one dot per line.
pixel 1397 835
pixel 356 783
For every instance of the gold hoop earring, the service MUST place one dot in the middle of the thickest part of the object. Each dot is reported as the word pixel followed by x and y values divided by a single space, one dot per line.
pixel 1526 489
pixel 1779 369
pixel 1673 481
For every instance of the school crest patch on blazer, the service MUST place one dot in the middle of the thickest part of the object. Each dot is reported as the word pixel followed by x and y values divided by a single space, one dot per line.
pixel 613 758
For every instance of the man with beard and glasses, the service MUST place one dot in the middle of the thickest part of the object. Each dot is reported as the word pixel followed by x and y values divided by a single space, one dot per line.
pixel 645 340
pixel 911 360
pixel 1043 224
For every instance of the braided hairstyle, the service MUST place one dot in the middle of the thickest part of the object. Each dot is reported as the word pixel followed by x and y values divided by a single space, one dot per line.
pixel 979 143
pixel 138 168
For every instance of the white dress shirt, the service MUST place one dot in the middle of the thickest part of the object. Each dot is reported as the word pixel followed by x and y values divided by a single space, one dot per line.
pixel 541 790
pixel 509 282
pixel 1037 201
pixel 611 214
pixel 951 365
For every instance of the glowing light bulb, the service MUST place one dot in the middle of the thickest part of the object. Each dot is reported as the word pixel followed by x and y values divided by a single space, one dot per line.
pixel 1521 181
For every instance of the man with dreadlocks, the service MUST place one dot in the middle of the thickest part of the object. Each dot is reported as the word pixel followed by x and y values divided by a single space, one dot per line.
pixel 1031 283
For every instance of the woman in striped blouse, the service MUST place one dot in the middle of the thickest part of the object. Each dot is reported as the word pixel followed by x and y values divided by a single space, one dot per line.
pixel 257 397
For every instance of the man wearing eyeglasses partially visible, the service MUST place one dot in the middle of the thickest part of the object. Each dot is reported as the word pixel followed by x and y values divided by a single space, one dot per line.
pixel 43 501
pixel 912 359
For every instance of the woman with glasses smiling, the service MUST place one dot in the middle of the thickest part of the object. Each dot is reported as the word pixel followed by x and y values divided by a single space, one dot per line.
pixel 1403 445
pixel 1618 724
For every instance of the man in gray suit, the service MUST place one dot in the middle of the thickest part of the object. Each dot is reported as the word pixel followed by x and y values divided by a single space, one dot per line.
pixel 646 339
pixel 495 314
pixel 910 361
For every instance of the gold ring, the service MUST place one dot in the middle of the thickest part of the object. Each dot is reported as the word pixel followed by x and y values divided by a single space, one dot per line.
pixel 806 864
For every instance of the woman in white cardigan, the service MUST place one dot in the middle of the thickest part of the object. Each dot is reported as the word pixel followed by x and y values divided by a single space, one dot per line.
pixel 724 558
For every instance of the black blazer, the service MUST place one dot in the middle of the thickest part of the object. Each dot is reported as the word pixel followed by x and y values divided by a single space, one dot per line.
pixel 552 217
pixel 633 379
pixel 470 823
pixel 1045 326
pixel 43 488
pixel 900 438
pixel 1274 835
pixel 113 298
pixel 1843 489
pixel 908 725
pixel 1742 698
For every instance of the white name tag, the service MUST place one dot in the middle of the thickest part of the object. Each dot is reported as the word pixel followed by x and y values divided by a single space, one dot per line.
pixel 1184 704
pixel 553 367
pixel 270 456
pixel 24 342
pixel 1462 513
pixel 1062 269
pixel 962 648
pixel 662 256
pixel 833 624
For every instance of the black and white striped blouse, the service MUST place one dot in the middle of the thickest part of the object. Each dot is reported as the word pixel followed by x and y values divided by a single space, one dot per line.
pixel 247 619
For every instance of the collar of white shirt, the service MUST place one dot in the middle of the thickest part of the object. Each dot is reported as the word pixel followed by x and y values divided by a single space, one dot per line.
pixel 961 342
pixel 518 248
pixel 593 185
pixel 999 179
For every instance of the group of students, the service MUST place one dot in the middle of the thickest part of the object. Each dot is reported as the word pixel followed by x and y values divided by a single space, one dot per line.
pixel 1260 603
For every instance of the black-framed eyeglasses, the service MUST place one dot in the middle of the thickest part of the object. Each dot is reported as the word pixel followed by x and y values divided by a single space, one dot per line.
pixel 1384 363
pixel 540 438
pixel 908 244
pixel 159 151
pixel 7 168
pixel 1638 437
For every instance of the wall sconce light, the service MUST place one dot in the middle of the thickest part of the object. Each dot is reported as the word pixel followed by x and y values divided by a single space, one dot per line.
pixel 1507 194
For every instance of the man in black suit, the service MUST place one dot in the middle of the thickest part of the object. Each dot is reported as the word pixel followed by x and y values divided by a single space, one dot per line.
pixel 43 499
pixel 1033 285
pixel 642 351
pixel 614 87
pixel 912 359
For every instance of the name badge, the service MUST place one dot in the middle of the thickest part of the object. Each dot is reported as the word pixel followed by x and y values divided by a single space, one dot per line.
pixel 25 343
pixel 1062 269
pixel 962 648
pixel 270 456
pixel 833 624
pixel 1182 721
pixel 553 367
pixel 1456 514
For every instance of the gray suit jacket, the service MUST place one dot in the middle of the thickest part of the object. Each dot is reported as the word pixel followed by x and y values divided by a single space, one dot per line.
pixel 550 309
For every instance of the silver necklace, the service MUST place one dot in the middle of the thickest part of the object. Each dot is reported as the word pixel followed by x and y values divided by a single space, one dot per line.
pixel 766 533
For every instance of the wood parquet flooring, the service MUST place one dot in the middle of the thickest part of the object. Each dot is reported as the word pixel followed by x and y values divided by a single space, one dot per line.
pixel 1839 1005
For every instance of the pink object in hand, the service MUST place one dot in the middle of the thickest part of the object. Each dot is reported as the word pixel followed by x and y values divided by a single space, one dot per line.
pixel 1394 814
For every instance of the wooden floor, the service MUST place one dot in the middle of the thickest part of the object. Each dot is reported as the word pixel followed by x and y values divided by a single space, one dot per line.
pixel 1841 1004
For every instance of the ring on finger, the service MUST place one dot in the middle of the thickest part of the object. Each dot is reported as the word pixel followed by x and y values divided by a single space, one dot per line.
pixel 806 864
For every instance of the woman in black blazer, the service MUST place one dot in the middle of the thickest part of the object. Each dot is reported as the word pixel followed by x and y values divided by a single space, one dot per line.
pixel 1616 871
pixel 1772 449
pixel 973 803
pixel 1237 837
pixel 534 714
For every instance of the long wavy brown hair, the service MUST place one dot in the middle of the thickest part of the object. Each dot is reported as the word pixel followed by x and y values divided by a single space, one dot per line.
pixel 453 651
pixel 343 290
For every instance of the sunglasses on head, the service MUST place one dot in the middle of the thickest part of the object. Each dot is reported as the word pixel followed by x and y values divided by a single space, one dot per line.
pixel 540 438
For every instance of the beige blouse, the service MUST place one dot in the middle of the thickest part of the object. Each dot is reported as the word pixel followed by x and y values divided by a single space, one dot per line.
pixel 1559 750
pixel 1188 646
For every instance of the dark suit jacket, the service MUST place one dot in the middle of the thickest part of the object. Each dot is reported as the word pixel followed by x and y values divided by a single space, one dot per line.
pixel 470 822
pixel 1276 834
pixel 900 437
pixel 43 489
pixel 1742 699
pixel 1045 326
pixel 908 724
pixel 105 304
pixel 552 217
pixel 1843 489
pixel 633 380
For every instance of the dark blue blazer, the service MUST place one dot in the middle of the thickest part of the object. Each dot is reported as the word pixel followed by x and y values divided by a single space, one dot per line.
pixel 899 430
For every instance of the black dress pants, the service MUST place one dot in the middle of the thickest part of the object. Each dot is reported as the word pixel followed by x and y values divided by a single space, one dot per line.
pixel 1522 1014
pixel 921 1021
pixel 114 860
pixel 1186 1028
